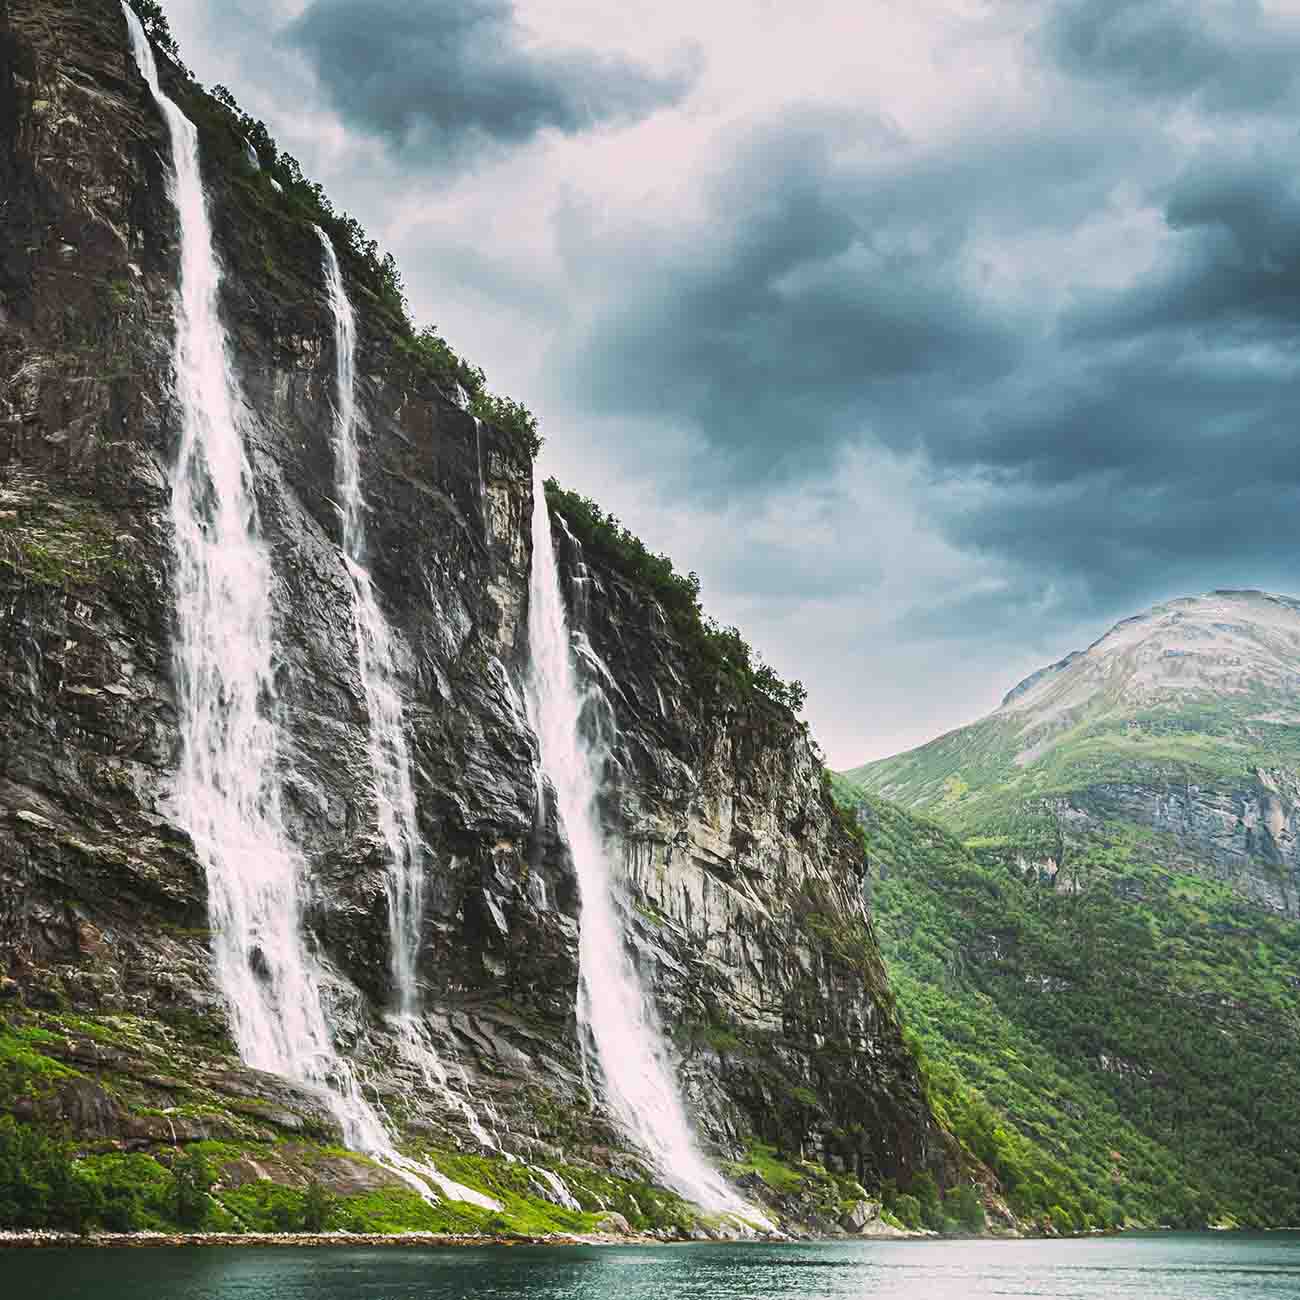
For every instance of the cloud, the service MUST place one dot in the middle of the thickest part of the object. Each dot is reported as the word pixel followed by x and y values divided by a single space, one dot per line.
pixel 1230 55
pixel 1097 434
pixel 440 78
pixel 822 282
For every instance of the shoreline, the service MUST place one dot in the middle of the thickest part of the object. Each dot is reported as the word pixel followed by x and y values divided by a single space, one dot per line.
pixel 38 1239
pixel 43 1239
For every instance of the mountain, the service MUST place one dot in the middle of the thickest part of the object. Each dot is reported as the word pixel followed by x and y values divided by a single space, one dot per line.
pixel 1183 721
pixel 130 971
pixel 1088 902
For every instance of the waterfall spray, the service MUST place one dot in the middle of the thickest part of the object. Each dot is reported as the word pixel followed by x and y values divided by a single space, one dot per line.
pixel 227 790
pixel 574 725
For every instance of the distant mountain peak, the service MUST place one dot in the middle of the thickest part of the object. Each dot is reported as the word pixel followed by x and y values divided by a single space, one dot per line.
pixel 1199 684
pixel 1221 643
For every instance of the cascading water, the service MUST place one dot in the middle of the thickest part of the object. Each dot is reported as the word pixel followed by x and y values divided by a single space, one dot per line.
pixel 227 789
pixel 613 1010
pixel 390 757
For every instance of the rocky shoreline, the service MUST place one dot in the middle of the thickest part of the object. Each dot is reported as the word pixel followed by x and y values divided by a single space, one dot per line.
pixel 37 1239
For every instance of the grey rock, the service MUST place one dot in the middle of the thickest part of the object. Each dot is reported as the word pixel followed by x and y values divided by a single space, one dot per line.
pixel 724 837
pixel 859 1215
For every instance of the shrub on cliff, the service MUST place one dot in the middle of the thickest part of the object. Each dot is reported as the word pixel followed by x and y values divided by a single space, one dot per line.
pixel 40 1184
pixel 193 1181
pixel 318 1208
pixel 719 657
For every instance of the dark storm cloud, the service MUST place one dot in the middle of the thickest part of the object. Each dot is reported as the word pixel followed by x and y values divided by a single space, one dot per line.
pixel 1234 254
pixel 1232 55
pixel 1109 441
pixel 835 289
pixel 443 75
pixel 827 283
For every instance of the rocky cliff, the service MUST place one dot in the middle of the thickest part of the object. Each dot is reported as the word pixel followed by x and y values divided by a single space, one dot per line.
pixel 751 929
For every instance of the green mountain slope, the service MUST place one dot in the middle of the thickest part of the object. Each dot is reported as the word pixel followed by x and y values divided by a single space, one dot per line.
pixel 1088 910
pixel 1184 721
pixel 1115 1057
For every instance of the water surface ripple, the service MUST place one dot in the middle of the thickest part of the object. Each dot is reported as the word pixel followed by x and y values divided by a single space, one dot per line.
pixel 1175 1266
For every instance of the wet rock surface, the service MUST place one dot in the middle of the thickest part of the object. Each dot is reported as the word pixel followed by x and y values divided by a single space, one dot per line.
pixel 748 921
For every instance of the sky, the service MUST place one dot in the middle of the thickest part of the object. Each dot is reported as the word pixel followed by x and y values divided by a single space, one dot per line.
pixel 935 336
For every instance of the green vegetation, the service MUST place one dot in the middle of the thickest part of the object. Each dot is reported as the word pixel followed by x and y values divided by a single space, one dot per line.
pixel 921 1207
pixel 1001 777
pixel 721 663
pixel 58 543
pixel 763 1160
pixel 249 1180
pixel 192 1181
pixel 1105 1015
pixel 1124 1051
pixel 227 132
pixel 40 1186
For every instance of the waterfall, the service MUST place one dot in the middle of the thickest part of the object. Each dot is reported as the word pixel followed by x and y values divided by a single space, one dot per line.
pixel 390 758
pixel 614 1013
pixel 227 792
pixel 389 752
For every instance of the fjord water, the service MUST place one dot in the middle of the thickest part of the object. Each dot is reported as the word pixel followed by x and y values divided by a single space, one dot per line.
pixel 227 791
pixel 1207 1266
pixel 574 723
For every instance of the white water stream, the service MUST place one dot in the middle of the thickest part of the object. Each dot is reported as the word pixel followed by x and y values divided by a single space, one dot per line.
pixel 227 788
pixel 614 1012
pixel 390 755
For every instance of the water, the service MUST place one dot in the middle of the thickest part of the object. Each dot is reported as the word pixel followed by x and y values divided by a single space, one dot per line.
pixel 1210 1266
pixel 227 791
pixel 389 751
pixel 574 725
pixel 390 758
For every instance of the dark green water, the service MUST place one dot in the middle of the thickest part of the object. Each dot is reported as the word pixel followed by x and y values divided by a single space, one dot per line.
pixel 1196 1266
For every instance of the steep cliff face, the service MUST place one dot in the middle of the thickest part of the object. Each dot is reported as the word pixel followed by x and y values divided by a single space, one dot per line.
pixel 89 848
pixel 753 927
pixel 749 911
pixel 1244 833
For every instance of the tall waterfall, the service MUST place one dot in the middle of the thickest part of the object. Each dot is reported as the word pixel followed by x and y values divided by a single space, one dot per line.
pixel 613 1009
pixel 390 756
pixel 227 788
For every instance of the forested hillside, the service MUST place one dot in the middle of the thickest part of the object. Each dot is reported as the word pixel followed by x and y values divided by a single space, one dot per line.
pixel 1103 973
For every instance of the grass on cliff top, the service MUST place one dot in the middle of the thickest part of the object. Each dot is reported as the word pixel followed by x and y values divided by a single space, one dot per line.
pixel 1120 1045
pixel 971 782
